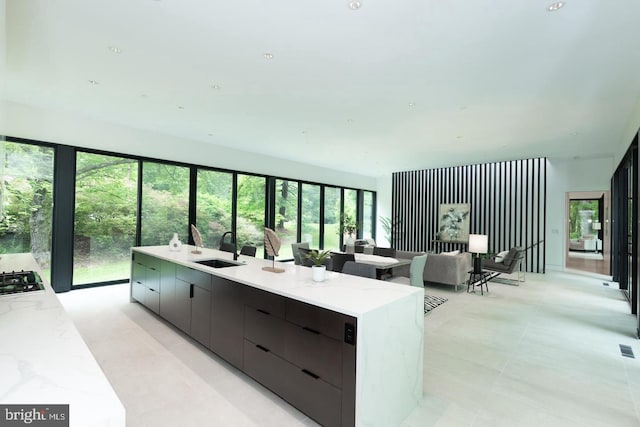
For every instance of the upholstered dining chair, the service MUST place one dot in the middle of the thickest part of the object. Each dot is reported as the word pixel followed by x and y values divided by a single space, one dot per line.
pixel 338 259
pixel 248 250
pixel 390 252
pixel 297 257
pixel 228 246
pixel 416 270
pixel 359 269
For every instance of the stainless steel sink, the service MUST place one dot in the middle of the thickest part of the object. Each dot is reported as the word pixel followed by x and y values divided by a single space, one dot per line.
pixel 218 263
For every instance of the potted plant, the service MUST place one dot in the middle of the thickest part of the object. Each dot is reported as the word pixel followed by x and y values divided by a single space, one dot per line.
pixel 318 269
pixel 349 228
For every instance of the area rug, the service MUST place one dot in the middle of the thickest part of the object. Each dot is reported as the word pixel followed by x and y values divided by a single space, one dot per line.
pixel 431 302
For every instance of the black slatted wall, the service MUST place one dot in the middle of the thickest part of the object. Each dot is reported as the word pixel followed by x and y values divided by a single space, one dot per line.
pixel 507 199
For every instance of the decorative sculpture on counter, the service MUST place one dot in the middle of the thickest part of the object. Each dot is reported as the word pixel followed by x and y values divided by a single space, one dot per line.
pixel 175 244
pixel 197 239
pixel 272 246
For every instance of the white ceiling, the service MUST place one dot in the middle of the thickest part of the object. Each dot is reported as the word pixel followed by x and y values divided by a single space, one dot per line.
pixel 395 85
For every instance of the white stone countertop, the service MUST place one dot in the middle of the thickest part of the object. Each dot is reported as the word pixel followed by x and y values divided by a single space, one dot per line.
pixel 343 293
pixel 43 359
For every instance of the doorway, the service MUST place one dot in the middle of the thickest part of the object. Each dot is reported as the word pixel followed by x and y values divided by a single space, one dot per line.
pixel 587 233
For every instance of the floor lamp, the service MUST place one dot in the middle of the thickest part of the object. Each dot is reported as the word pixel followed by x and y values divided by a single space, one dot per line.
pixel 478 244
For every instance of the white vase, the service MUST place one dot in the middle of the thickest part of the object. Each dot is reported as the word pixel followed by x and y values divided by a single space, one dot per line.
pixel 175 244
pixel 318 273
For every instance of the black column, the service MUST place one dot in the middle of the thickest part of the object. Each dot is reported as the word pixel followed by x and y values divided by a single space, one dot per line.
pixel 63 210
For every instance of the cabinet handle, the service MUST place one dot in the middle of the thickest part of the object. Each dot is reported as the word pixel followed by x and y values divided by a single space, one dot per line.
pixel 139 282
pixel 263 311
pixel 191 290
pixel 311 374
pixel 313 331
pixel 266 350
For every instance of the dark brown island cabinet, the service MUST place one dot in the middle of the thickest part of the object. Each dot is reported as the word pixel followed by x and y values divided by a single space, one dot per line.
pixel 266 325
pixel 303 353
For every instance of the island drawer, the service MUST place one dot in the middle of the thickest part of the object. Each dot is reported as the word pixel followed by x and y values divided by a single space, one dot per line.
pixel 320 400
pixel 317 319
pixel 147 260
pixel 152 300
pixel 304 390
pixel 265 301
pixel 266 368
pixel 194 277
pixel 316 353
pixel 266 330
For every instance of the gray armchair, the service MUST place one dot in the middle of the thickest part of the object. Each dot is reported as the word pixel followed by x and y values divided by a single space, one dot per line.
pixel 510 264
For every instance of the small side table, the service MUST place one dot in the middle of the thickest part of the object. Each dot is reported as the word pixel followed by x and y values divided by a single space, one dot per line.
pixel 476 279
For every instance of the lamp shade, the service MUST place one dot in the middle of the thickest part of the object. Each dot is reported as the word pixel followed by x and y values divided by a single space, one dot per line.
pixel 478 243
pixel 596 226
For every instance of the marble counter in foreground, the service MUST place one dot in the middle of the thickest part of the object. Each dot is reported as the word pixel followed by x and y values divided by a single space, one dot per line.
pixel 43 359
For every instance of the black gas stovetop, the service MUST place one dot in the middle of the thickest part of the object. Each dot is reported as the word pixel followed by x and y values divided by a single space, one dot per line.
pixel 16 282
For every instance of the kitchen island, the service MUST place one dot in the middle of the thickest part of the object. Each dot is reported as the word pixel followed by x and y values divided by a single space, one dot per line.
pixel 43 359
pixel 347 351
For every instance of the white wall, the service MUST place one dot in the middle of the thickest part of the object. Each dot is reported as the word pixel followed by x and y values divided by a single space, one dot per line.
pixel 22 121
pixel 565 176
pixel 384 193
pixel 629 133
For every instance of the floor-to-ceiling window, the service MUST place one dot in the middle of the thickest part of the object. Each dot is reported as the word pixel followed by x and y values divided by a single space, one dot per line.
pixel 350 213
pixel 107 202
pixel 104 217
pixel 26 188
pixel 310 218
pixel 165 203
pixel 286 215
pixel 332 203
pixel 214 205
pixel 624 241
pixel 251 204
pixel 368 213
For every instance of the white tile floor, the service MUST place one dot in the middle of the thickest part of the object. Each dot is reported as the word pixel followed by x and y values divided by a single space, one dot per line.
pixel 544 353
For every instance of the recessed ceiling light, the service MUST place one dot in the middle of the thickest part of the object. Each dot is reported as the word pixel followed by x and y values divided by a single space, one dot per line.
pixel 555 6
pixel 268 55
pixel 355 4
pixel 94 82
pixel 412 104
pixel 349 120
pixel 216 87
pixel 115 49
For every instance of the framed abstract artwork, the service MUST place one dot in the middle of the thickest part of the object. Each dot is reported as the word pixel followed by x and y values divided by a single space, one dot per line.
pixel 453 225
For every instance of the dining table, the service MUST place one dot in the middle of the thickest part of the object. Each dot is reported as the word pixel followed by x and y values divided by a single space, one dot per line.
pixel 383 264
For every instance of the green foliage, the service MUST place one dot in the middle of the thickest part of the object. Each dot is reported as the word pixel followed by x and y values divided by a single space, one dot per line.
pixel 391 229
pixel 590 209
pixel 26 198
pixel 318 257
pixel 349 224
